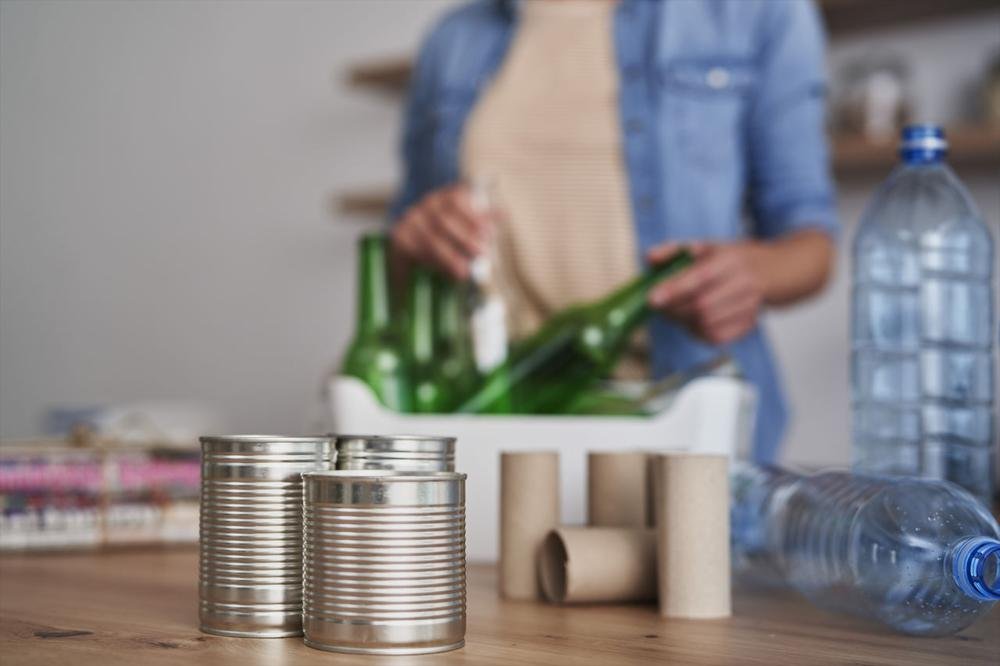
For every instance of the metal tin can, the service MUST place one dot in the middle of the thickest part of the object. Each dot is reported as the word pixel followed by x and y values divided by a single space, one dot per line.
pixel 409 453
pixel 384 561
pixel 250 580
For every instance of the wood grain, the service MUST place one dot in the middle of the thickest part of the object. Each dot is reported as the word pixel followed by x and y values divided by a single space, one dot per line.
pixel 970 146
pixel 388 74
pixel 846 17
pixel 140 608
pixel 373 202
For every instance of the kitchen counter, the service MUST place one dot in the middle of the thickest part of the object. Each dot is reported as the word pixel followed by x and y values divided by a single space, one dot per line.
pixel 140 607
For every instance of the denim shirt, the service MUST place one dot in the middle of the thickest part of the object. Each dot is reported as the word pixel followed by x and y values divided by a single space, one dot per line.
pixel 722 107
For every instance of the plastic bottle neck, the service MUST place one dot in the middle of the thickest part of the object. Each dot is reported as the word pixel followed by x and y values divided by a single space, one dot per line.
pixel 920 157
pixel 373 293
pixel 922 145
pixel 975 567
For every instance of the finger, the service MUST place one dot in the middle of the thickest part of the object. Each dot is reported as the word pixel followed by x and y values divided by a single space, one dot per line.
pixel 724 295
pixel 460 200
pixel 448 221
pixel 739 314
pixel 687 284
pixel 682 310
pixel 682 315
pixel 406 240
pixel 420 241
pixel 730 332
pixel 665 251
pixel 662 252
pixel 444 254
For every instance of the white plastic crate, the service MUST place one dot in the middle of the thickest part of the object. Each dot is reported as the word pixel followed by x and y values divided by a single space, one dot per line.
pixel 709 414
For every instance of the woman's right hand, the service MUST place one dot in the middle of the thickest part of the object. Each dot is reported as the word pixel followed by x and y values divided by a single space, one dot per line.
pixel 444 229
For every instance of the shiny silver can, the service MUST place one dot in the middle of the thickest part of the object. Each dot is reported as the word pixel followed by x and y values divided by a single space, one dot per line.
pixel 409 453
pixel 384 561
pixel 250 581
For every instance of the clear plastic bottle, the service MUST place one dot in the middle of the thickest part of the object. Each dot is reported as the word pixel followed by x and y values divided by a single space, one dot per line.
pixel 918 555
pixel 922 325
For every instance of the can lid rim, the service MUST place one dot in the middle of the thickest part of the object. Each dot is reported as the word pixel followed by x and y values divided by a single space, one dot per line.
pixel 384 475
pixel 208 439
pixel 391 438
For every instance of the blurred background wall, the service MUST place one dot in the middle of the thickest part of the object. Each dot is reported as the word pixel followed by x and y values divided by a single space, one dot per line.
pixel 168 222
pixel 168 176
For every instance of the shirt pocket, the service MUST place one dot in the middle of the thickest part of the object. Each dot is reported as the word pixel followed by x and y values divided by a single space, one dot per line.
pixel 704 102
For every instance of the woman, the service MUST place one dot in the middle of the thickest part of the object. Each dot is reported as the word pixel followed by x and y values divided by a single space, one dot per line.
pixel 613 131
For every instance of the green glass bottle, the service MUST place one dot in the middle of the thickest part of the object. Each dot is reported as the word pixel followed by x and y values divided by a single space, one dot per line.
pixel 572 351
pixel 604 401
pixel 426 391
pixel 374 355
pixel 455 363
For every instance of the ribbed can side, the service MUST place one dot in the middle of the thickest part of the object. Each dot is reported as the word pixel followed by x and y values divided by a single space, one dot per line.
pixel 250 564
pixel 409 453
pixel 384 563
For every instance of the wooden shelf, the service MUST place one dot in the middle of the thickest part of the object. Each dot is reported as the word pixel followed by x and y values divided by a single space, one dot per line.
pixel 841 17
pixel 368 203
pixel 389 75
pixel 968 146
pixel 851 156
pixel 846 16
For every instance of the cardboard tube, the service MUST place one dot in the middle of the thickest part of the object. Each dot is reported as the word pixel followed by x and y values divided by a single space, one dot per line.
pixel 529 509
pixel 692 508
pixel 598 564
pixel 651 459
pixel 617 489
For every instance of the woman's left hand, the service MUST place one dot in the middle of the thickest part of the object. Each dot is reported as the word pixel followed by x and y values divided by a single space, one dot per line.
pixel 718 298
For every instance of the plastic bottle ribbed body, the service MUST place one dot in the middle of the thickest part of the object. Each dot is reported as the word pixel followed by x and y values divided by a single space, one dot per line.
pixel 923 331
pixel 878 547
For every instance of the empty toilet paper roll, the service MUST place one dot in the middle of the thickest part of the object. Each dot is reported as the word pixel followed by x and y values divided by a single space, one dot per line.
pixel 617 493
pixel 651 459
pixel 692 509
pixel 598 564
pixel 529 509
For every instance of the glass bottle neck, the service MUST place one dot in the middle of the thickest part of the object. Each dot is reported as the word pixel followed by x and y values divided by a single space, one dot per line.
pixel 632 299
pixel 373 290
pixel 447 311
pixel 421 333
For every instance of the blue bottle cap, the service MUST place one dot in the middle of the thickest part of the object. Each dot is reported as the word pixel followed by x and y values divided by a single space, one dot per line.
pixel 923 144
pixel 976 567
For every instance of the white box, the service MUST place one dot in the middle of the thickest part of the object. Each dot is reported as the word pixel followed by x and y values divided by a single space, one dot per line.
pixel 709 414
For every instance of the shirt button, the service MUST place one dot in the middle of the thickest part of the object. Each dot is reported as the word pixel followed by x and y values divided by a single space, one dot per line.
pixel 645 204
pixel 633 126
pixel 633 72
pixel 717 78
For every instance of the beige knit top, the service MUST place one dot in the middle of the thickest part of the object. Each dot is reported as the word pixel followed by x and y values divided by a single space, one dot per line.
pixel 546 137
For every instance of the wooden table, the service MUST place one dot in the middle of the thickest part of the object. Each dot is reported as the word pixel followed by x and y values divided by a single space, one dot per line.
pixel 140 608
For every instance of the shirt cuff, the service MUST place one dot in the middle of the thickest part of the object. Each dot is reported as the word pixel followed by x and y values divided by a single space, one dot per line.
pixel 819 215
